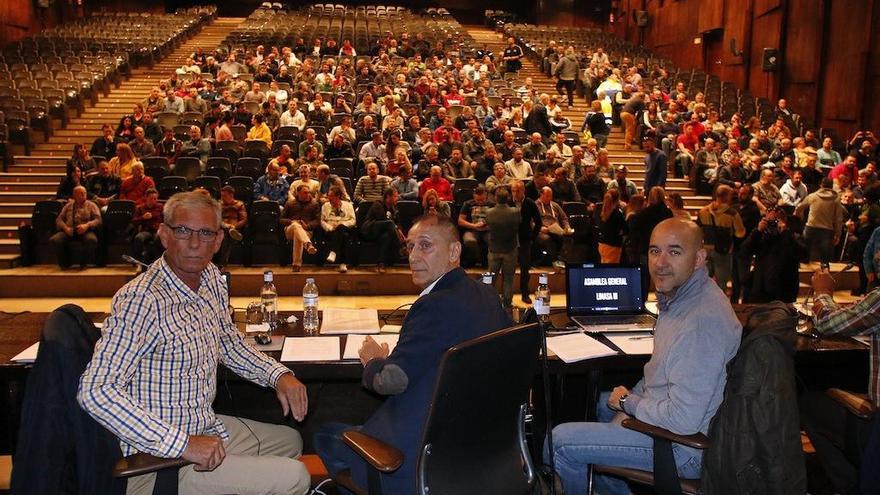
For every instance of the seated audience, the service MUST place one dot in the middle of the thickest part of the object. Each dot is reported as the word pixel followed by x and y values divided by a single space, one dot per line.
pixel 135 187
pixel 555 230
pixel 271 186
pixel 146 246
pixel 382 225
pixel 300 218
pixel 104 186
pixel 78 221
pixel 337 224
pixel 372 186
pixel 407 187
pixel 474 231
pixel 433 204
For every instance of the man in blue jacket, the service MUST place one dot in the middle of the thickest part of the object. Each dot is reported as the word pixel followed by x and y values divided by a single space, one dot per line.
pixel 451 309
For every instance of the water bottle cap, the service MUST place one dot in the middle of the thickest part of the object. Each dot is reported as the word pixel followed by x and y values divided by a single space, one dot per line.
pixel 267 276
pixel 310 280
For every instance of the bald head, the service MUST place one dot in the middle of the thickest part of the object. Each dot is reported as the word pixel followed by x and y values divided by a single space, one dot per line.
pixel 675 252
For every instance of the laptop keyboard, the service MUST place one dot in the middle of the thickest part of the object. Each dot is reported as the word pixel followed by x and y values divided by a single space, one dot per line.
pixel 616 320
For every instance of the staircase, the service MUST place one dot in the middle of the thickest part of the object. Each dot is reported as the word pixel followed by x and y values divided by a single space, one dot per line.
pixel 634 160
pixel 36 177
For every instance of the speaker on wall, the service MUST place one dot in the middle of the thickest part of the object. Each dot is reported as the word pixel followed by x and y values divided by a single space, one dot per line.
pixel 770 59
pixel 641 17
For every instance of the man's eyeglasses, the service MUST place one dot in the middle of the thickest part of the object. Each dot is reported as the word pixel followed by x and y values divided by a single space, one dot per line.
pixel 184 233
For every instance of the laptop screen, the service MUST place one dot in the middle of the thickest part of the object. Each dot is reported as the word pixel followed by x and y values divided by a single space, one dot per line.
pixel 593 289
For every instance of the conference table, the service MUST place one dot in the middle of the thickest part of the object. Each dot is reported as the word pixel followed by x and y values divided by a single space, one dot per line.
pixel 335 393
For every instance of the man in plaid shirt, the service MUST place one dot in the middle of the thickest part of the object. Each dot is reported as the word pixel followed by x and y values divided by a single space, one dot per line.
pixel 152 378
pixel 821 418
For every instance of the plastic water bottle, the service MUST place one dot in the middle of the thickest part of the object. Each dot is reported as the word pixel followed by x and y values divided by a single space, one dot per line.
pixel 488 278
pixel 269 300
pixel 542 299
pixel 310 307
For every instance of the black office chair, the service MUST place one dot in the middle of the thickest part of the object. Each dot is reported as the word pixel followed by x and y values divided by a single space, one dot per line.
pixel 407 212
pixel 117 229
pixel 264 233
pixel 82 457
pixel 244 188
pixel 171 185
pixel 188 167
pixel 474 439
pixel 211 183
pixel 767 349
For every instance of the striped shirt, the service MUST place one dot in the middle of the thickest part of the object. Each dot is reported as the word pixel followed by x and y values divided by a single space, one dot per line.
pixel 153 375
pixel 862 318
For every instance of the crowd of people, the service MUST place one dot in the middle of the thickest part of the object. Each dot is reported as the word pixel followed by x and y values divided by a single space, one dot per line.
pixel 780 201
pixel 419 119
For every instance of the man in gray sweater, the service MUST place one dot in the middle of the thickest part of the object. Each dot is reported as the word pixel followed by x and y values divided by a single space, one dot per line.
pixel 824 221
pixel 503 222
pixel 566 72
pixel 697 333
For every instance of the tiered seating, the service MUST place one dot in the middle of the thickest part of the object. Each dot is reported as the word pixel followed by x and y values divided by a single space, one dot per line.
pixel 363 25
pixel 61 68
pixel 724 97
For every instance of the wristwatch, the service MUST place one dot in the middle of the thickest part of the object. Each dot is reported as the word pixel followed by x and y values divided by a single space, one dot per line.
pixel 622 402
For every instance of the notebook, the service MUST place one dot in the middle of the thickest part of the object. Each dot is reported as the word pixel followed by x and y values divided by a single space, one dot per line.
pixel 607 298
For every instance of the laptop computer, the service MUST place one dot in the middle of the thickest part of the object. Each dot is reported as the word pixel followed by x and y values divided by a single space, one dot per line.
pixel 607 298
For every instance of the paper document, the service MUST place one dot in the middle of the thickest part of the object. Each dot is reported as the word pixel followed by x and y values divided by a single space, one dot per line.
pixel 256 328
pixel 337 321
pixel 353 344
pixel 633 343
pixel 28 355
pixel 300 349
pixel 390 329
pixel 576 347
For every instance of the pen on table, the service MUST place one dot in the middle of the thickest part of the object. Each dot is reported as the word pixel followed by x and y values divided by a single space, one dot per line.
pixel 642 337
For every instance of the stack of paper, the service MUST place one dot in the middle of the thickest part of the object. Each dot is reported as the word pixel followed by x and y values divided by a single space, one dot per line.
pixel 576 347
pixel 633 343
pixel 353 343
pixel 304 349
pixel 337 321
pixel 28 355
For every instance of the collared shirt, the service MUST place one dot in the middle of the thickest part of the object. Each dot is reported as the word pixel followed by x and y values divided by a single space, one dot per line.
pixel 427 290
pixel 153 375
pixel 862 318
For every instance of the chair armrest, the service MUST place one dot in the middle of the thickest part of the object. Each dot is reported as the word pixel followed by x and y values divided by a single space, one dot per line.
pixel 138 464
pixel 696 441
pixel 857 404
pixel 377 453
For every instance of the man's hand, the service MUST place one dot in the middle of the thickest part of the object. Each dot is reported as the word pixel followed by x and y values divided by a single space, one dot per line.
pixel 148 216
pixel 68 231
pixel 871 276
pixel 823 282
pixel 205 452
pixel 293 396
pixel 82 228
pixel 614 398
pixel 370 350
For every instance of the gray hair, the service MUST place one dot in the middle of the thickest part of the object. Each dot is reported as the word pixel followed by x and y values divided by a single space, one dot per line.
pixel 191 200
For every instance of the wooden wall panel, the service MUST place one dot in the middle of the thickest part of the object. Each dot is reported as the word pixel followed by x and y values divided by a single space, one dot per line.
pixel 845 61
pixel 764 6
pixel 765 34
pixel 711 15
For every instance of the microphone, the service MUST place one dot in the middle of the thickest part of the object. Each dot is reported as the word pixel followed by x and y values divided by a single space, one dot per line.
pixel 134 261
pixel 849 266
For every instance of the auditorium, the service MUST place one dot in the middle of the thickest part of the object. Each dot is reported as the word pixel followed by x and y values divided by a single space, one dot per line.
pixel 572 247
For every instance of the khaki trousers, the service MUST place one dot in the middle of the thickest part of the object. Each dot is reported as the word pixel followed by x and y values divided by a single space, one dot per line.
pixel 299 236
pixel 260 460
pixel 629 128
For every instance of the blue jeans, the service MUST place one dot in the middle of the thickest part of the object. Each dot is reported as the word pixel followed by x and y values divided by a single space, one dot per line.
pixel 576 445
pixel 336 455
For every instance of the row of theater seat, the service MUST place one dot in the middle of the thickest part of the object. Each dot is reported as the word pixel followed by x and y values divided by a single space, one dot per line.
pixel 363 26
pixel 724 97
pixel 57 70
